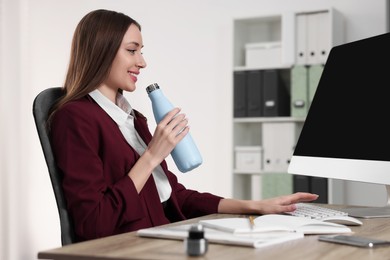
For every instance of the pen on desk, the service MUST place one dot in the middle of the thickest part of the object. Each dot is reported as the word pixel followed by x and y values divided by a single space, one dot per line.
pixel 251 221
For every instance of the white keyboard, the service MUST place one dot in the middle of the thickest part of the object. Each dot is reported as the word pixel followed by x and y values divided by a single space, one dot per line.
pixel 308 210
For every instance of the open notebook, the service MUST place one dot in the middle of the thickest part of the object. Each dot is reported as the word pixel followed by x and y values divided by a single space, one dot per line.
pixel 275 222
pixel 257 240
pixel 267 230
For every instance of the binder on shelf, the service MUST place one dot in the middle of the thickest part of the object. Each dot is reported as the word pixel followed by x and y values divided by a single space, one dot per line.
pixel 278 144
pixel 301 42
pixel 240 94
pixel 299 91
pixel 276 94
pixel 312 38
pixel 315 72
pixel 324 33
pixel 255 93
pixel 276 184
pixel 319 186
pixel 301 183
pixel 315 185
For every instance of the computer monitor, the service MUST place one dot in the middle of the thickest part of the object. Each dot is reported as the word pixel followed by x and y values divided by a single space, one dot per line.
pixel 346 134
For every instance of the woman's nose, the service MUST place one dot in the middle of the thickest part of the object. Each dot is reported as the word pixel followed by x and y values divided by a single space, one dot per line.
pixel 141 62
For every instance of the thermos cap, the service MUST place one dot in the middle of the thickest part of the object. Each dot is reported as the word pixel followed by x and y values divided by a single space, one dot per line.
pixel 152 87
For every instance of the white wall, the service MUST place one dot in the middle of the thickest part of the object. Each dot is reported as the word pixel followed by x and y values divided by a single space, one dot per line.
pixel 188 47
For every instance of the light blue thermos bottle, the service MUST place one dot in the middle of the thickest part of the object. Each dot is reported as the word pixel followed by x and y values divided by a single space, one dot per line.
pixel 185 155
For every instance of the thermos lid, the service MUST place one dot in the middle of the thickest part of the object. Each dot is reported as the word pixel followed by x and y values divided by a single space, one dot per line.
pixel 152 87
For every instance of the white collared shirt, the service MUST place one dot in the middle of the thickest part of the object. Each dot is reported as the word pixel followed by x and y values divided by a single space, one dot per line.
pixel 123 115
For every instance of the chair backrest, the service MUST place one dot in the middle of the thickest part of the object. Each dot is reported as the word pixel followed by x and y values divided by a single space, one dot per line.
pixel 41 106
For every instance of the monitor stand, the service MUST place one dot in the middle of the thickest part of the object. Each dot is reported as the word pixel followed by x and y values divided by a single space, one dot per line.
pixel 371 212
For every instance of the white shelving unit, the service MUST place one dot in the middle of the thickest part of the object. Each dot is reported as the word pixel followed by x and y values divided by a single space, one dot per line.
pixel 264 145
pixel 264 32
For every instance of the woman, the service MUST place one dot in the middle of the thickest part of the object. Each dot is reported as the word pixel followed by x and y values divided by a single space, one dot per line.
pixel 115 177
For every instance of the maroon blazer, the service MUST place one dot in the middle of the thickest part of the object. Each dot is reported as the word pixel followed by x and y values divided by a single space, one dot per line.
pixel 95 158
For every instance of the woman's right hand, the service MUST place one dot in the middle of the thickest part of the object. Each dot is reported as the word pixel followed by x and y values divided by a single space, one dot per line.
pixel 168 133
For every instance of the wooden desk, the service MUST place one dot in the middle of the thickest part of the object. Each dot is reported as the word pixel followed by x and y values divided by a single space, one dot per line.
pixel 130 246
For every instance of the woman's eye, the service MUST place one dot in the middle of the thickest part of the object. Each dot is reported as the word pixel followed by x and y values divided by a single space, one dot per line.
pixel 134 51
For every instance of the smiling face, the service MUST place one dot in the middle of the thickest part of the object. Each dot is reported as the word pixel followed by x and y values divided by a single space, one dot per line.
pixel 126 65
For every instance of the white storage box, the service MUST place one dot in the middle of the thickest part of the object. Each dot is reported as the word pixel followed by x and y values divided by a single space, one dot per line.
pixel 248 159
pixel 263 55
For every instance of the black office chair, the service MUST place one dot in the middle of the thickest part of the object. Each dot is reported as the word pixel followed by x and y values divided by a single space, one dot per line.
pixel 41 106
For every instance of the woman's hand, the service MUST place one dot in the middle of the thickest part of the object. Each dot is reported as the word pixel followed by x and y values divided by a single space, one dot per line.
pixel 275 205
pixel 169 132
pixel 282 204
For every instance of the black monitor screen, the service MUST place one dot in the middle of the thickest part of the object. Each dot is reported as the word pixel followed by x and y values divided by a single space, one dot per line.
pixel 349 116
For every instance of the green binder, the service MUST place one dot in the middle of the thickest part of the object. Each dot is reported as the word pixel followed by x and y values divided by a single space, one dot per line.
pixel 315 72
pixel 276 184
pixel 299 91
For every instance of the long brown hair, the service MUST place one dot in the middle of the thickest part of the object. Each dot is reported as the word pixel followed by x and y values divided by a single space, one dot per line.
pixel 96 41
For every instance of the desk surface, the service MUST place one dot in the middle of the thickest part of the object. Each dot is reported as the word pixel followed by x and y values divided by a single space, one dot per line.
pixel 130 246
